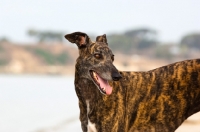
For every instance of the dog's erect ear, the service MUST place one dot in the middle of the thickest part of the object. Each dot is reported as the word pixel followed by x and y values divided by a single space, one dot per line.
pixel 102 39
pixel 81 39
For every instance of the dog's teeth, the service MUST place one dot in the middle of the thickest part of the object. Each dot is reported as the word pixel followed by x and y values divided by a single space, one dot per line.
pixel 95 76
pixel 104 89
pixel 94 73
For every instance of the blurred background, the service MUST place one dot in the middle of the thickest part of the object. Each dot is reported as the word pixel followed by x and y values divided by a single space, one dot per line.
pixel 37 64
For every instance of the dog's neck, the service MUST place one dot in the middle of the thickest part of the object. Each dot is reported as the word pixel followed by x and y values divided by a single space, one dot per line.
pixel 87 89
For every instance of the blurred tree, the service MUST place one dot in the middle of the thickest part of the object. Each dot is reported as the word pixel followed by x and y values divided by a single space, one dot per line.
pixel 50 58
pixel 46 36
pixel 142 38
pixel 141 32
pixel 163 52
pixel 191 40
pixel 4 39
pixel 132 41
pixel 119 42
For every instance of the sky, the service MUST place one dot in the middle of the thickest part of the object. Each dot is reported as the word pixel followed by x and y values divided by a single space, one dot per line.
pixel 172 19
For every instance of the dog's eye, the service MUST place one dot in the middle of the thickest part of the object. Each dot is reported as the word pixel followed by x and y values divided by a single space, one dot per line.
pixel 112 57
pixel 98 56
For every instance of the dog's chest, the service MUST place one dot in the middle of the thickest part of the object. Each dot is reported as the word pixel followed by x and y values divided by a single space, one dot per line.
pixel 91 126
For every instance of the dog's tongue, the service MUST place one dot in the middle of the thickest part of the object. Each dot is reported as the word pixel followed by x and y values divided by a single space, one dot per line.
pixel 104 84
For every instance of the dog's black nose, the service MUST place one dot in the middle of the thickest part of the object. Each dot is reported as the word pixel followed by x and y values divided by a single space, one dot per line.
pixel 116 76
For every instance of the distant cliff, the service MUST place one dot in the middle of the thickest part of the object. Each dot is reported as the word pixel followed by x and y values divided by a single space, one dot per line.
pixel 36 58
pixel 59 58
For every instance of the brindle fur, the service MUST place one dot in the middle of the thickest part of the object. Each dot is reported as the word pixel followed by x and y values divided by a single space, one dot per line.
pixel 157 100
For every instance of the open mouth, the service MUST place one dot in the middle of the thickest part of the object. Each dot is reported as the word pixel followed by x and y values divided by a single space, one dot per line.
pixel 101 83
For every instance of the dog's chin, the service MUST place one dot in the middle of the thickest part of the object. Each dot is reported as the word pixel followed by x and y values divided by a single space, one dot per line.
pixel 101 83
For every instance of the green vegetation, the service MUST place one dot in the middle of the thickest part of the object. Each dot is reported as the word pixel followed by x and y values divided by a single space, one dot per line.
pixel 163 52
pixel 191 40
pixel 141 41
pixel 52 59
pixel 133 40
pixel 3 62
pixel 3 39
pixel 120 43
pixel 46 36
pixel 63 58
pixel 1 48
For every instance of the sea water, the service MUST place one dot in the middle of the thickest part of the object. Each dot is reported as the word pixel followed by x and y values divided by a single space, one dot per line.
pixel 35 103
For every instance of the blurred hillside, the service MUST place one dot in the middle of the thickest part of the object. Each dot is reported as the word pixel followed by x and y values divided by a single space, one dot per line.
pixel 144 42
pixel 135 50
pixel 36 59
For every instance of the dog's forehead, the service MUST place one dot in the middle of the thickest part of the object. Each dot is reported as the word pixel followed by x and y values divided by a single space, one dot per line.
pixel 100 47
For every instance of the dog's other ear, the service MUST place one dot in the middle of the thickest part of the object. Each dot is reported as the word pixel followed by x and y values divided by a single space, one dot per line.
pixel 79 38
pixel 102 39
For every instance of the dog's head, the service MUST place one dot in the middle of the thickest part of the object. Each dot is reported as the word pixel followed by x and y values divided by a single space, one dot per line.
pixel 95 61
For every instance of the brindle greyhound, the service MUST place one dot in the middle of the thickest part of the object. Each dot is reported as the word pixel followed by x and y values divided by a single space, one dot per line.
pixel 113 101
